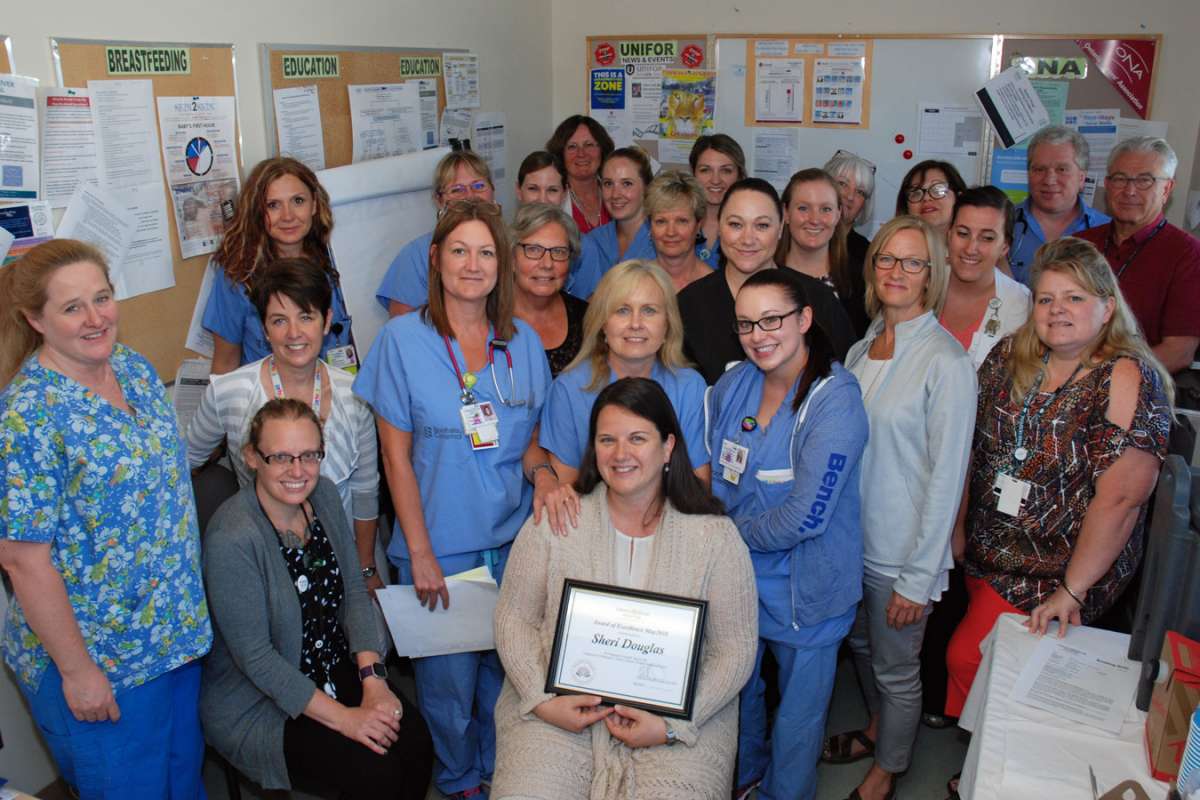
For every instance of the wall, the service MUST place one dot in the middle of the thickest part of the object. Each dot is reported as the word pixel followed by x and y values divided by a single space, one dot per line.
pixel 513 42
pixel 1177 20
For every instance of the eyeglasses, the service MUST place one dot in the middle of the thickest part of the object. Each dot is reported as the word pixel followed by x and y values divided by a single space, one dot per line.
pixel 1121 180
pixel 308 458
pixel 534 252
pixel 771 322
pixel 936 190
pixel 462 189
pixel 575 147
pixel 912 266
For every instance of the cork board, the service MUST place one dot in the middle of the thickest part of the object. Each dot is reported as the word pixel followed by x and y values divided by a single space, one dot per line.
pixel 155 324
pixel 6 59
pixel 354 65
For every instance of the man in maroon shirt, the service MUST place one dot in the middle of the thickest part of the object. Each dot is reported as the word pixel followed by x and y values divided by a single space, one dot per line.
pixel 1157 264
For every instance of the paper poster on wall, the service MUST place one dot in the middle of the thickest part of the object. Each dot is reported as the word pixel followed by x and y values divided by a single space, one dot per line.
pixel 606 93
pixel 838 90
pixel 29 223
pixel 776 151
pixel 488 140
pixel 1053 95
pixel 6 240
pixel 948 129
pixel 461 74
pixel 148 264
pixel 1099 127
pixel 95 216
pixel 19 150
pixel 643 99
pixel 779 90
pixel 298 122
pixel 427 91
pixel 69 157
pixel 126 132
pixel 1010 172
pixel 688 101
pixel 201 165
pixel 1013 106
pixel 456 124
pixel 385 120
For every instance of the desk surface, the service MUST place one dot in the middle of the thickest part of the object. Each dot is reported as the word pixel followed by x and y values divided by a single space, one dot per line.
pixel 1018 752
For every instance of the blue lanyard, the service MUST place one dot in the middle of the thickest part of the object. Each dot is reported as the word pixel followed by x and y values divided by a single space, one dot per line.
pixel 1020 452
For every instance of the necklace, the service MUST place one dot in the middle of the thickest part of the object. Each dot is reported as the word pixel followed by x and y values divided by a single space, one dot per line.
pixel 575 201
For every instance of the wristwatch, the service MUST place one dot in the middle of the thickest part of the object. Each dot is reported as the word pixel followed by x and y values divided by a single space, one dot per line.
pixel 369 572
pixel 376 670
pixel 672 738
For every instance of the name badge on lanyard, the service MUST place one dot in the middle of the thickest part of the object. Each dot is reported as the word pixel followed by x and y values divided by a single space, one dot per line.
pixel 1010 494
pixel 481 425
pixel 342 357
pixel 734 458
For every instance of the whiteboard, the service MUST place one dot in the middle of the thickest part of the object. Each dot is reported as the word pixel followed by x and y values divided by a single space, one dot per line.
pixel 904 73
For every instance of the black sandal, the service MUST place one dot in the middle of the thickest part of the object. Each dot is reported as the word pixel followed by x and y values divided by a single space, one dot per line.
pixel 839 748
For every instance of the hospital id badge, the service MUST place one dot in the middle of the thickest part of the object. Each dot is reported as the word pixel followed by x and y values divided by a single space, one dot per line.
pixel 1011 493
pixel 480 424
pixel 733 461
pixel 343 358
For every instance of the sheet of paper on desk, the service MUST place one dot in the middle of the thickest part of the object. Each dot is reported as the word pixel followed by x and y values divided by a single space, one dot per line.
pixel 1084 677
pixel 463 628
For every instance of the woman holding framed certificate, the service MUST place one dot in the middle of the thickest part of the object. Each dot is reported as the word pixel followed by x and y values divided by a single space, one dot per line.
pixel 654 547
pixel 787 434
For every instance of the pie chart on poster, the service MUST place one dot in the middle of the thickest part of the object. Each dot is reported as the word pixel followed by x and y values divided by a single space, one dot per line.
pixel 199 155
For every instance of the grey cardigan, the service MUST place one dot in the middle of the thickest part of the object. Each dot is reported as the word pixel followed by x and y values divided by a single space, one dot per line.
pixel 252 681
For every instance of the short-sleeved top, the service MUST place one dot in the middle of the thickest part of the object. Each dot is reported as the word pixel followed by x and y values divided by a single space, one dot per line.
pixel 709 255
pixel 111 494
pixel 1071 445
pixel 601 252
pixel 565 353
pixel 472 500
pixel 707 308
pixel 568 411
pixel 1028 235
pixel 230 315
pixel 407 278
pixel 1159 275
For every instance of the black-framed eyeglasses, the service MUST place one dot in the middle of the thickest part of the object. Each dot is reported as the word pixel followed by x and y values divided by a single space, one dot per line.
pixel 308 457
pixel 771 322
pixel 912 266
pixel 1120 180
pixel 534 251
pixel 935 190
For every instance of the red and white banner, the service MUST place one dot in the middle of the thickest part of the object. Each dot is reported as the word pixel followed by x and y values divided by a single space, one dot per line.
pixel 1129 66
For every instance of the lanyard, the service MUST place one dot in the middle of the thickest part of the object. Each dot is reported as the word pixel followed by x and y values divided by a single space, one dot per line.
pixel 467 381
pixel 1137 252
pixel 277 383
pixel 1020 452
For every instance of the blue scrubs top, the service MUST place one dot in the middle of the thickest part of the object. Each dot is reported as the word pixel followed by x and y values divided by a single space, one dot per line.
pixel 472 500
pixel 772 483
pixel 600 253
pixel 710 256
pixel 407 279
pixel 1028 235
pixel 568 409
pixel 230 315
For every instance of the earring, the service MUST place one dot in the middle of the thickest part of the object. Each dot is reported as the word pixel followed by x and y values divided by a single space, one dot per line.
pixel 666 468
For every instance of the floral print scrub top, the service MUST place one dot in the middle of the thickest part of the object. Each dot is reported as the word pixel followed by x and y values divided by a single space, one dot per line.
pixel 111 493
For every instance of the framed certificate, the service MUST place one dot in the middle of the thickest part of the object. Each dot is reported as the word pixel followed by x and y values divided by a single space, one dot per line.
pixel 625 646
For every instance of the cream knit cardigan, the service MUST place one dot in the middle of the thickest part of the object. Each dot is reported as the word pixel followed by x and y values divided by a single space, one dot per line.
pixel 694 556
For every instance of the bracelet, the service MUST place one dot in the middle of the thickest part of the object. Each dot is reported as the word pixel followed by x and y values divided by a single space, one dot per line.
pixel 1075 597
pixel 544 465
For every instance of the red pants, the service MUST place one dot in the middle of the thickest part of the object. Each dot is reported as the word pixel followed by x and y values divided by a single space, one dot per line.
pixel 984 607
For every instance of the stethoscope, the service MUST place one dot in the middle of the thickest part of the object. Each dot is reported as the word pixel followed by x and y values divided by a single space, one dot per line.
pixel 1024 223
pixel 467 382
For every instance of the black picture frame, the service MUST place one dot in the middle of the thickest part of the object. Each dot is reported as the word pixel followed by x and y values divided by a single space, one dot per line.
pixel 608 696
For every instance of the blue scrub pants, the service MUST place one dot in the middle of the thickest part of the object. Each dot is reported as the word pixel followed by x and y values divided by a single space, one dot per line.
pixel 156 748
pixel 788 765
pixel 457 695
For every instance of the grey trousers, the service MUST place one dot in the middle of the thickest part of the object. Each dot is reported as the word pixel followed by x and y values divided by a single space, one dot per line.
pixel 888 662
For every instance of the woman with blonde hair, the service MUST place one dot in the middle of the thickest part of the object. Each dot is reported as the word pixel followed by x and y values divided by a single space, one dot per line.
pixel 460 175
pixel 1051 537
pixel 676 207
pixel 632 329
pixel 919 391
pixel 98 536
pixel 282 212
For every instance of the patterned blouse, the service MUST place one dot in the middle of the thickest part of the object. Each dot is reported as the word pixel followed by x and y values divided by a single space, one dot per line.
pixel 110 492
pixel 318 581
pixel 1071 444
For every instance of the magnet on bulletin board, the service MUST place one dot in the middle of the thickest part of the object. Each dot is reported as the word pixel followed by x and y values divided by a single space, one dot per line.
pixel 899 138
pixel 907 155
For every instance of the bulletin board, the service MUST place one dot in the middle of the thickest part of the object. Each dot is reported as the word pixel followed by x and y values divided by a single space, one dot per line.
pixel 904 74
pixel 356 65
pixel 156 324
pixel 6 59
pixel 639 60
pixel 824 99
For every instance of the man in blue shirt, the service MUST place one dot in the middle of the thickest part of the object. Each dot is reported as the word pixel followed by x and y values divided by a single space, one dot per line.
pixel 1057 161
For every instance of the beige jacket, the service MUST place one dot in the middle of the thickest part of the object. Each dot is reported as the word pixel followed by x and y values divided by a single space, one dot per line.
pixel 694 556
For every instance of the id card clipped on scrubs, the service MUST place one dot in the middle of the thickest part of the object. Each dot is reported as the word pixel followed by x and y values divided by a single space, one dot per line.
pixel 733 460
pixel 480 424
